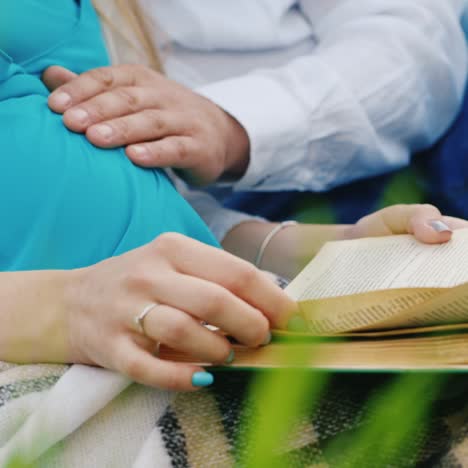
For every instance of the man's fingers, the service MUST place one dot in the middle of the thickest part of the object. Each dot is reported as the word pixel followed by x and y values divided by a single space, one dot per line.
pixel 174 151
pixel 95 82
pixel 149 124
pixel 143 367
pixel 110 105
pixel 180 152
pixel 56 76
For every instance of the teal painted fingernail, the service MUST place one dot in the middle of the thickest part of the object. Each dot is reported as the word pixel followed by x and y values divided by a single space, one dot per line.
pixel 202 379
pixel 267 340
pixel 439 226
pixel 297 324
pixel 231 357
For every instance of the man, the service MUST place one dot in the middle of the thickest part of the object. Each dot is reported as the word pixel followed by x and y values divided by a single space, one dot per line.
pixel 299 96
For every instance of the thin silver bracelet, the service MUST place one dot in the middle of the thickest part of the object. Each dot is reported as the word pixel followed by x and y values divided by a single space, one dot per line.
pixel 266 241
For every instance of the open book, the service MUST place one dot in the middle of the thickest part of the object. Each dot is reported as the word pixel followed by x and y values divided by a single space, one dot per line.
pixel 386 303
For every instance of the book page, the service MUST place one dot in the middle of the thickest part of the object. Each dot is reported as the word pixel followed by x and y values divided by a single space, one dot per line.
pixel 374 310
pixel 447 308
pixel 380 283
pixel 391 333
pixel 344 268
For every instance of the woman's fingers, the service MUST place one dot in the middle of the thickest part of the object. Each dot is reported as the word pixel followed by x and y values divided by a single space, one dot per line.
pixel 428 226
pixel 182 332
pixel 211 303
pixel 425 222
pixel 455 223
pixel 194 258
pixel 143 367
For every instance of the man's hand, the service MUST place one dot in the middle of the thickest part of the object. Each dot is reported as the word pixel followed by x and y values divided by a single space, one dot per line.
pixel 161 123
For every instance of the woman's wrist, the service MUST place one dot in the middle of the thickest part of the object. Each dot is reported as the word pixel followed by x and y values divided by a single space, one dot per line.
pixel 268 238
pixel 293 248
pixel 244 239
pixel 288 251
pixel 74 299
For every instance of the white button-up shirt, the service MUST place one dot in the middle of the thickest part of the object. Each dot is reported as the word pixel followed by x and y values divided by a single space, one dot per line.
pixel 329 91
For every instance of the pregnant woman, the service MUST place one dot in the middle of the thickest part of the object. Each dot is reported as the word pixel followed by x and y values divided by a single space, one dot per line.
pixel 67 205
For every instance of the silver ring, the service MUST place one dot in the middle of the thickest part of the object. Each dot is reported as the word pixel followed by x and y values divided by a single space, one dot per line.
pixel 139 320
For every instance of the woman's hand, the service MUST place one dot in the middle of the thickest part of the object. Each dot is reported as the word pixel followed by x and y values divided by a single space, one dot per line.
pixel 425 222
pixel 162 123
pixel 190 283
pixel 293 248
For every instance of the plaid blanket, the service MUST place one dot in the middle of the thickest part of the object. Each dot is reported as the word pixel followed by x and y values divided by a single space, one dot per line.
pixel 205 429
pixel 144 427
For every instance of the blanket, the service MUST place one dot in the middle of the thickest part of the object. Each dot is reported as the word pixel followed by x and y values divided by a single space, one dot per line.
pixel 61 416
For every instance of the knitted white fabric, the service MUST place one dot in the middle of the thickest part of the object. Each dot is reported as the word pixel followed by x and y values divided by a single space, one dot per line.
pixel 96 415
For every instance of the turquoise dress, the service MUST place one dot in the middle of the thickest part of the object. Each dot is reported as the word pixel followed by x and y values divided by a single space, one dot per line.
pixel 65 203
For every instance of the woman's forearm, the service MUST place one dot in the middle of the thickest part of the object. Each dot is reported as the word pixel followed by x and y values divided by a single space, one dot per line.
pixel 94 316
pixel 289 250
pixel 32 316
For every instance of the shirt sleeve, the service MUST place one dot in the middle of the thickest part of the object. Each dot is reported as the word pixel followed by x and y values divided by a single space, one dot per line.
pixel 386 79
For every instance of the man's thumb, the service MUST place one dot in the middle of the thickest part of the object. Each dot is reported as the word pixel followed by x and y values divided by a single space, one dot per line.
pixel 56 76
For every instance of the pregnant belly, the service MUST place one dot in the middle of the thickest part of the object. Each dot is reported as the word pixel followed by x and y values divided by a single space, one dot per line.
pixel 66 204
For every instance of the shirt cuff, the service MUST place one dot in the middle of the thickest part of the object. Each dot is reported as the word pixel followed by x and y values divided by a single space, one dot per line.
pixel 254 101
